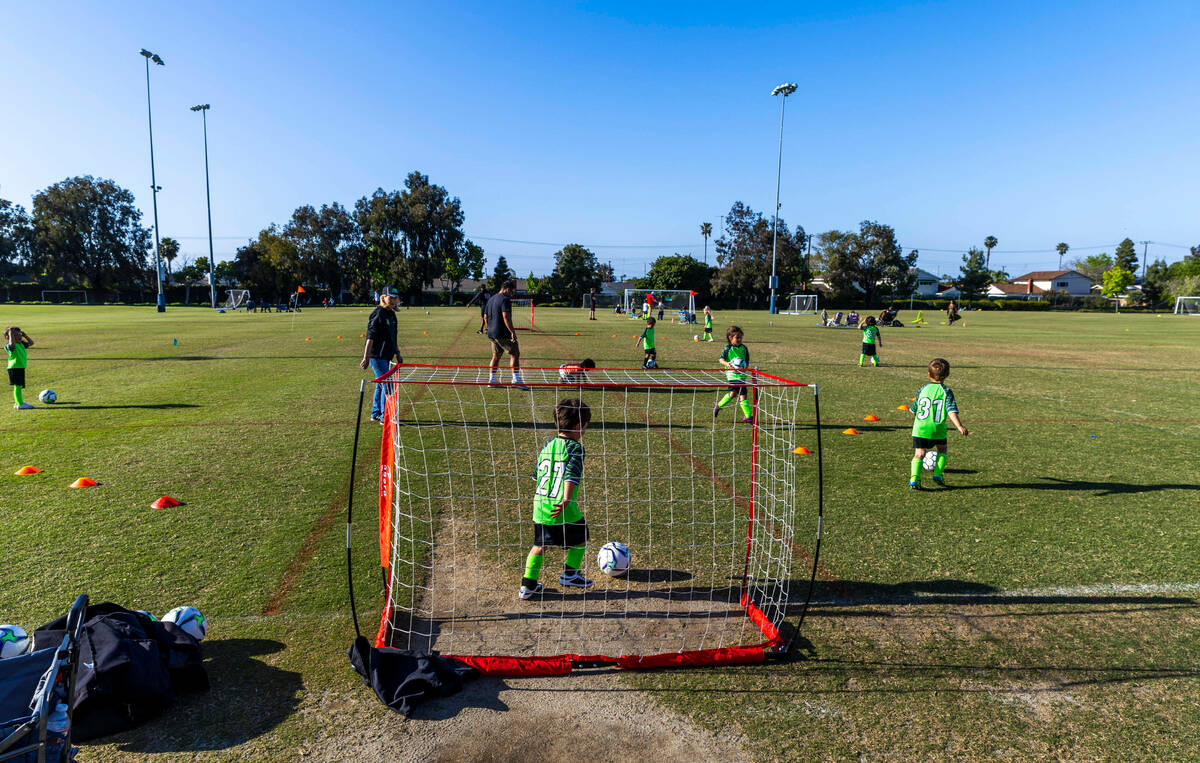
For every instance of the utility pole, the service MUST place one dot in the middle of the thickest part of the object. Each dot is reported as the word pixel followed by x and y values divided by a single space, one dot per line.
pixel 212 284
pixel 1145 251
pixel 784 90
pixel 162 303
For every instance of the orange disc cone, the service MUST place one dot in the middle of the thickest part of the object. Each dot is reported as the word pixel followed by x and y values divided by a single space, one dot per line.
pixel 851 430
pixel 27 470
pixel 165 502
pixel 308 338
pixel 84 482
pixel 903 408
pixel 803 451
pixel 614 336
pixel 339 336
pixel 870 417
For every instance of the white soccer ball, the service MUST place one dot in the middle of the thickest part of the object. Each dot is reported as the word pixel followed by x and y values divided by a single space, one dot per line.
pixel 14 641
pixel 738 363
pixel 930 460
pixel 695 337
pixel 613 559
pixel 47 396
pixel 189 619
pixel 651 364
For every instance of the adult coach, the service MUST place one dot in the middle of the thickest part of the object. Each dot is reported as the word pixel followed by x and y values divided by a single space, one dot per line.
pixel 591 297
pixel 502 334
pixel 381 345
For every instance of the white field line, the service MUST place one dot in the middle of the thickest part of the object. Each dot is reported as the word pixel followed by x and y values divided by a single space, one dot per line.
pixel 1016 595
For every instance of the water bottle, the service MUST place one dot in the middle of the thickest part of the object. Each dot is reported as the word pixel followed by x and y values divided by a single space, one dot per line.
pixel 56 733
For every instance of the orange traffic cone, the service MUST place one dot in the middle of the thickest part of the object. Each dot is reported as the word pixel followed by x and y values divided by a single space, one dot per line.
pixel 165 502
pixel 27 470
pixel 803 451
pixel 84 482
pixel 851 430
pixel 870 417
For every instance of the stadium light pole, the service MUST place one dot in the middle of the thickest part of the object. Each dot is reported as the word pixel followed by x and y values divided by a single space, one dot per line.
pixel 784 90
pixel 212 285
pixel 162 301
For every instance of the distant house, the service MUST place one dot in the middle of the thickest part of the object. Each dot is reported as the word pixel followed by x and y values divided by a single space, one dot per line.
pixel 948 291
pixel 1027 290
pixel 927 283
pixel 1070 281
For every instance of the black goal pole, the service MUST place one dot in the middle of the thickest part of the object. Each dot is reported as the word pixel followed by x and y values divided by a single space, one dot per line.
pixel 812 581
pixel 362 385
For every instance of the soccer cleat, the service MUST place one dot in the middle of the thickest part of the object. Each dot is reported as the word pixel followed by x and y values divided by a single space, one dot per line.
pixel 939 480
pixel 529 593
pixel 914 485
pixel 23 407
pixel 574 580
pixel 376 418
pixel 716 409
pixel 747 420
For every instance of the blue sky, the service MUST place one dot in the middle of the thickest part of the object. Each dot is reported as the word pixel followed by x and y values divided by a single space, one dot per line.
pixel 623 126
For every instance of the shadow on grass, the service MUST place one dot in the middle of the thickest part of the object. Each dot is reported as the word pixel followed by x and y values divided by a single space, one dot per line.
pixel 1103 488
pixel 248 698
pixel 76 406
pixel 851 593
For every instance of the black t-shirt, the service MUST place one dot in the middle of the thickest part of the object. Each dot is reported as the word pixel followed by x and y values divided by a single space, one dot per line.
pixel 484 298
pixel 381 331
pixel 496 307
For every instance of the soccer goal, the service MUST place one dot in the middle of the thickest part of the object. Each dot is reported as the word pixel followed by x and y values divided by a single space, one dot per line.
pixel 802 304
pixel 713 511
pixel 1187 305
pixel 64 297
pixel 672 299
pixel 518 309
pixel 237 299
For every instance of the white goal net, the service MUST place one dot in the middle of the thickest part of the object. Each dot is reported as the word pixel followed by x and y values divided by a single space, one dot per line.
pixel 518 314
pixel 64 296
pixel 237 299
pixel 802 304
pixel 671 299
pixel 1187 305
pixel 712 509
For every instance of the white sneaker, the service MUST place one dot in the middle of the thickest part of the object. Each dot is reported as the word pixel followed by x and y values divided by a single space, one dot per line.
pixel 574 580
pixel 529 593
pixel 23 407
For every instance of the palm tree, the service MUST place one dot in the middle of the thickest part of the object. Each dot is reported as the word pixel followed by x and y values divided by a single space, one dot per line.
pixel 168 249
pixel 706 231
pixel 1062 250
pixel 988 243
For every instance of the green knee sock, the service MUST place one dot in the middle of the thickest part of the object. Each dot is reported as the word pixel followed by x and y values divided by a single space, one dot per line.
pixel 941 465
pixel 533 568
pixel 914 474
pixel 575 557
pixel 861 358
pixel 17 396
pixel 874 360
pixel 725 400
pixel 745 405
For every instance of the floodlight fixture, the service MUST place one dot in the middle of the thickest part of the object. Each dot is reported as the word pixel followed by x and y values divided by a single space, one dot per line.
pixel 785 89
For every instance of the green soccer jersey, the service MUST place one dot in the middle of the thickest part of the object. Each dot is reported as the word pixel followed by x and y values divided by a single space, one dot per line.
pixel 17 357
pixel 870 334
pixel 560 462
pixel 648 339
pixel 934 402
pixel 736 351
pixel 707 324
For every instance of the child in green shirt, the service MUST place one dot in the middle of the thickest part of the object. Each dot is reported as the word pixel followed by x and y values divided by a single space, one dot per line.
pixel 934 404
pixel 647 340
pixel 870 340
pixel 16 342
pixel 736 359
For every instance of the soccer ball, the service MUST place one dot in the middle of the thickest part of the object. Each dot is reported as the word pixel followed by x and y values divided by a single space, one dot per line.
pixel 737 363
pixel 147 614
pixel 189 619
pixel 695 337
pixel 14 641
pixel 613 559
pixel 48 396
pixel 930 460
pixel 651 364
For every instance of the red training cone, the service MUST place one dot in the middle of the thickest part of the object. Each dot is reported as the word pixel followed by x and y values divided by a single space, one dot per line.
pixel 165 502
pixel 84 482
pixel 851 430
pixel 27 470
pixel 803 451
pixel 870 417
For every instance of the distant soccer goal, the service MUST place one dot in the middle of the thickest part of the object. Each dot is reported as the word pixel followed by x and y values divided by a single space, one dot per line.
pixel 672 299
pixel 237 299
pixel 1187 305
pixel 718 515
pixel 802 304
pixel 64 297
pixel 519 310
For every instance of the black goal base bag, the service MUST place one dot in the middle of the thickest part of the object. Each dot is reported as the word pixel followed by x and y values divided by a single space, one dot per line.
pixel 131 667
pixel 403 679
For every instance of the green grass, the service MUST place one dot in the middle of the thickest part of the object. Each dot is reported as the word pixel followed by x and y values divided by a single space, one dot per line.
pixel 1080 472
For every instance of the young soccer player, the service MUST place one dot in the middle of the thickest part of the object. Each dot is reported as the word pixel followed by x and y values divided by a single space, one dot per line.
pixel 870 340
pixel 557 520
pixel 736 359
pixel 647 340
pixel 576 373
pixel 707 325
pixel 935 403
pixel 16 342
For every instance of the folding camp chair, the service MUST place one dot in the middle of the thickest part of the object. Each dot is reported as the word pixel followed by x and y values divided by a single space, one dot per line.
pixel 31 687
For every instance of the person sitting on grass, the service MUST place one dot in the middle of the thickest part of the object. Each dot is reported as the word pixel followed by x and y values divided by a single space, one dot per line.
pixel 576 373
pixel 852 318
pixel 557 520
pixel 935 403
pixel 647 340
pixel 16 342
pixel 870 340
pixel 736 359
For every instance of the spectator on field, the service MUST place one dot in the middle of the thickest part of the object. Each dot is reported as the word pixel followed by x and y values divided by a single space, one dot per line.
pixel 381 345
pixel 503 336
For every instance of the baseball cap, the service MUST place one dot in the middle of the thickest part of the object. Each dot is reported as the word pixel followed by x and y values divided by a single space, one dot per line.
pixel 390 291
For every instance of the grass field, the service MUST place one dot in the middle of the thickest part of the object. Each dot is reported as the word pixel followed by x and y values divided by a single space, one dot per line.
pixel 1043 606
